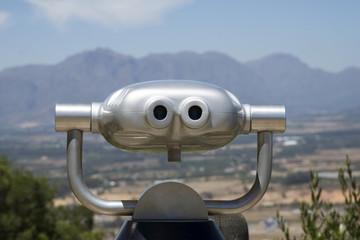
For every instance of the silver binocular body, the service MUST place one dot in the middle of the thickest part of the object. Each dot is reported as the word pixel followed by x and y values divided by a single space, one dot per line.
pixel 161 115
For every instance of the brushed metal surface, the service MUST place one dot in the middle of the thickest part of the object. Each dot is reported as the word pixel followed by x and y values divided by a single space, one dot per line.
pixel 126 118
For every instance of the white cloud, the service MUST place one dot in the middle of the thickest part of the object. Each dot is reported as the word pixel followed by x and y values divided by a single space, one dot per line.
pixel 4 17
pixel 112 13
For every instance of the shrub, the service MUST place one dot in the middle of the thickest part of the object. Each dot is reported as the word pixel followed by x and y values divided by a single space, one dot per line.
pixel 320 220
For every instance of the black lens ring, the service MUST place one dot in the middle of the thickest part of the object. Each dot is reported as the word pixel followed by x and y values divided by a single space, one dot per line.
pixel 160 112
pixel 195 112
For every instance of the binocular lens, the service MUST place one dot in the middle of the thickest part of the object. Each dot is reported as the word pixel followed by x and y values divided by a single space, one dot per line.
pixel 195 112
pixel 160 112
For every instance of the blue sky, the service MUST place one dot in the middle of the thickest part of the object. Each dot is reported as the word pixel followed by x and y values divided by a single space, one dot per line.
pixel 322 33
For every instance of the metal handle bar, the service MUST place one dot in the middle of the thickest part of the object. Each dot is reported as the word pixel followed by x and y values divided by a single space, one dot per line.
pixel 257 191
pixel 78 186
pixel 126 207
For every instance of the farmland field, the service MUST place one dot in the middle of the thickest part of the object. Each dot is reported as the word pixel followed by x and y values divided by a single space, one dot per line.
pixel 317 143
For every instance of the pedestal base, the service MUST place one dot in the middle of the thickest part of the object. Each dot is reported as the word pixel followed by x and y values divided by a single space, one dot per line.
pixel 189 230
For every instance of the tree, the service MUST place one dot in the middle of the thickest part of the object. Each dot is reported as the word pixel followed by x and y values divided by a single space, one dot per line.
pixel 320 220
pixel 27 211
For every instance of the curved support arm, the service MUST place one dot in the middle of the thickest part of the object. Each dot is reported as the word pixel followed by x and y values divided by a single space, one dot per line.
pixel 76 179
pixel 257 191
pixel 126 207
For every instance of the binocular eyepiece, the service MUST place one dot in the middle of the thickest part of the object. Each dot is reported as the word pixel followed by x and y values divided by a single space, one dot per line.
pixel 170 116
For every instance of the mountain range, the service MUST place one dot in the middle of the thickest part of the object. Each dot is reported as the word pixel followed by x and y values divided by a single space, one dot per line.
pixel 28 93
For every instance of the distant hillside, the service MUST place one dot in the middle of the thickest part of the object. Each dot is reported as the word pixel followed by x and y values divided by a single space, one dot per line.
pixel 29 93
pixel 305 89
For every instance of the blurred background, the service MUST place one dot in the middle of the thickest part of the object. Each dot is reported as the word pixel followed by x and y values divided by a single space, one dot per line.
pixel 301 54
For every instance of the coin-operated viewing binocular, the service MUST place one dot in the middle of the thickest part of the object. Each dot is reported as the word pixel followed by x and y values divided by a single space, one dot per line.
pixel 172 117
